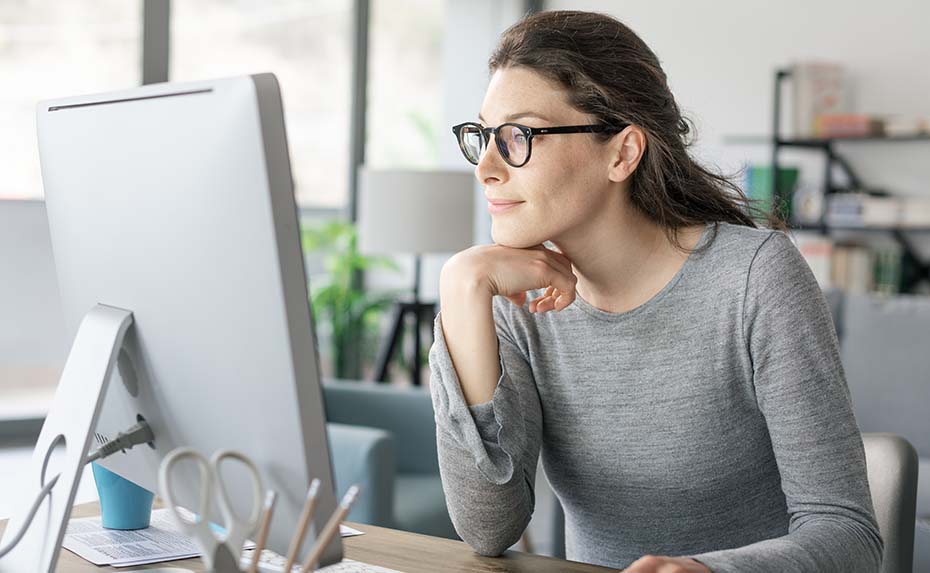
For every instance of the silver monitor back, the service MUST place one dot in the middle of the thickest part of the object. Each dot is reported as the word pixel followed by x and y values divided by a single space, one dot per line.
pixel 175 201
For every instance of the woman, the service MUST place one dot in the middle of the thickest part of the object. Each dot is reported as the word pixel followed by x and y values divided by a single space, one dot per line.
pixel 676 366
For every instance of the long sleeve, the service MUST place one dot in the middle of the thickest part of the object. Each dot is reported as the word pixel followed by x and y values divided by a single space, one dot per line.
pixel 488 452
pixel 801 391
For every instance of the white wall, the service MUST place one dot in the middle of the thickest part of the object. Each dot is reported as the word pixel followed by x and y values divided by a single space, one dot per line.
pixel 720 59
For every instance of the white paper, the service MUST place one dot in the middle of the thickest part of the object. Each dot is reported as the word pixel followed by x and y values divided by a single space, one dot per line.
pixel 346 531
pixel 161 541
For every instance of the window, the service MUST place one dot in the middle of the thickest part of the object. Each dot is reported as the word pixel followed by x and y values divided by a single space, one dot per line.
pixel 405 84
pixel 51 49
pixel 308 46
pixel 48 49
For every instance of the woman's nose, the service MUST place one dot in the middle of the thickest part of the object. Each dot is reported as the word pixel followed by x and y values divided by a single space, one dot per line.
pixel 491 165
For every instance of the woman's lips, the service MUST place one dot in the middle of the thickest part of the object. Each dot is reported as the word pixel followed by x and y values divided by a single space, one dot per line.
pixel 498 206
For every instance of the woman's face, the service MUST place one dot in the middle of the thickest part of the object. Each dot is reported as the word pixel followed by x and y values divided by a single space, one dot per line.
pixel 564 184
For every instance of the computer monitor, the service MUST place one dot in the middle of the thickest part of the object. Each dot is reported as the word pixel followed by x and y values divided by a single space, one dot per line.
pixel 175 202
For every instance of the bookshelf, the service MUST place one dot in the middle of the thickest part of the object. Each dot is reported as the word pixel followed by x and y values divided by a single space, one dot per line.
pixel 828 141
pixel 914 269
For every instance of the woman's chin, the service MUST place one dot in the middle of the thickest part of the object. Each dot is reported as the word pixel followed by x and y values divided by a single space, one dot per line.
pixel 515 239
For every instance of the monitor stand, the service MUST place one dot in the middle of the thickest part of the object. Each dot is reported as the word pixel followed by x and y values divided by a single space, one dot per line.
pixel 68 427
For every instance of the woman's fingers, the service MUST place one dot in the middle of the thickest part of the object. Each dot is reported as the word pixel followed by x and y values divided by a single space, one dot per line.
pixel 561 290
pixel 553 299
pixel 554 275
pixel 564 300
pixel 534 304
pixel 546 305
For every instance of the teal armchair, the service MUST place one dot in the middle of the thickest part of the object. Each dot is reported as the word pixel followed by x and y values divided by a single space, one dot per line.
pixel 384 438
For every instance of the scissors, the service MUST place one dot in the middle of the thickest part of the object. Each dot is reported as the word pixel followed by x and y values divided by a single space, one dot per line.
pixel 221 552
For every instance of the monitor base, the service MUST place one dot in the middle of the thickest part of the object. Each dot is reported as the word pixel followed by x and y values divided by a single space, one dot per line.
pixel 68 428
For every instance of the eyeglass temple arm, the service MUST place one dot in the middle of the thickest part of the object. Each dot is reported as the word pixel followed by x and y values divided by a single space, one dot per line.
pixel 576 129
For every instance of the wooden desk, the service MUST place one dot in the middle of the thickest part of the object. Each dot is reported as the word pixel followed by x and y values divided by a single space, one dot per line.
pixel 407 552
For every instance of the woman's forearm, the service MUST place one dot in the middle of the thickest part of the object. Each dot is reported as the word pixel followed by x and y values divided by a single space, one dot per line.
pixel 468 327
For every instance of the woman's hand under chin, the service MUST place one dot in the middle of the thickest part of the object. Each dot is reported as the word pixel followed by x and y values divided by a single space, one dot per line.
pixel 511 272
pixel 658 564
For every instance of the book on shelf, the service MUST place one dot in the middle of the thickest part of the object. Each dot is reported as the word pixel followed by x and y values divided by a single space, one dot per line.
pixel 862 210
pixel 758 186
pixel 915 212
pixel 838 125
pixel 865 210
pixel 854 267
pixel 851 268
pixel 817 250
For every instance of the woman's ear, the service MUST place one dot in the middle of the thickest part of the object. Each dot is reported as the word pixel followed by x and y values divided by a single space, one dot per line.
pixel 627 148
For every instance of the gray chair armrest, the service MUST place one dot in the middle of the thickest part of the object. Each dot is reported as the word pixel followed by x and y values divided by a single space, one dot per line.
pixel 407 413
pixel 892 469
pixel 364 456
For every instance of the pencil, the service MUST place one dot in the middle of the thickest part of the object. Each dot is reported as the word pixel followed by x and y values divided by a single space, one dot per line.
pixel 305 516
pixel 330 529
pixel 270 499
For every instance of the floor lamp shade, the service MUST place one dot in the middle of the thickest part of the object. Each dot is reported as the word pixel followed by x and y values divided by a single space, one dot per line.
pixel 415 211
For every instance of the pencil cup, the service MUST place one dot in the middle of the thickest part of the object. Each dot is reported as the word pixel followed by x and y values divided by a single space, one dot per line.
pixel 123 504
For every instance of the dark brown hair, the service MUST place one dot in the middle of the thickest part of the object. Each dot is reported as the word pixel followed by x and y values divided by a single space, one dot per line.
pixel 611 74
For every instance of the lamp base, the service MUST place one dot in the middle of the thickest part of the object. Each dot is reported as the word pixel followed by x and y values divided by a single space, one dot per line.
pixel 419 310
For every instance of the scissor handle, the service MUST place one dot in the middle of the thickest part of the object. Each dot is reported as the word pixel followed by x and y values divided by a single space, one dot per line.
pixel 200 529
pixel 236 530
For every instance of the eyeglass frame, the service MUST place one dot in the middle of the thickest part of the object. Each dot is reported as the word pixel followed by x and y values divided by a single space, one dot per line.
pixel 529 133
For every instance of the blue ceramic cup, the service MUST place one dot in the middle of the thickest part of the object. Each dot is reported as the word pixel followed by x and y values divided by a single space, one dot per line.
pixel 123 504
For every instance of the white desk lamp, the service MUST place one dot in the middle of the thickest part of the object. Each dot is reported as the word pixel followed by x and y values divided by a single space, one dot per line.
pixel 413 212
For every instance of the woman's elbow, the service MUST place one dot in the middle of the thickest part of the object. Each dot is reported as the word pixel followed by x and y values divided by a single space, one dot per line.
pixel 489 545
pixel 490 539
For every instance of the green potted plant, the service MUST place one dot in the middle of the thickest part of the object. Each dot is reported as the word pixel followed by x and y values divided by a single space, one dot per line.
pixel 351 313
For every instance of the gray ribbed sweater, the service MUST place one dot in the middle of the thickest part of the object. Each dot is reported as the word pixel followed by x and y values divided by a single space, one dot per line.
pixel 713 421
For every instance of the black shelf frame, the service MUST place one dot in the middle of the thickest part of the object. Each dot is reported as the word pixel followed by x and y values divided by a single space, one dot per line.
pixel 913 268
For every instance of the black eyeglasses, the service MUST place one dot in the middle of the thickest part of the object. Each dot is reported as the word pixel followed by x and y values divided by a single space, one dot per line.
pixel 514 141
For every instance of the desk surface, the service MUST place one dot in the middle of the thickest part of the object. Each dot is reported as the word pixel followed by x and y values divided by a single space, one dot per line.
pixel 407 552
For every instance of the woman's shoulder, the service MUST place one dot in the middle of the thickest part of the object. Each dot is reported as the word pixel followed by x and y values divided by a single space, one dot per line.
pixel 767 260
pixel 732 238
pixel 729 252
pixel 730 249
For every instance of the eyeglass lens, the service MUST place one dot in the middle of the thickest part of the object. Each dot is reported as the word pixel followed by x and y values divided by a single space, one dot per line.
pixel 472 143
pixel 512 143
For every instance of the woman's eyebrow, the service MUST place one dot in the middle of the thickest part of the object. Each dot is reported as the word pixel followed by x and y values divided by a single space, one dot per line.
pixel 519 115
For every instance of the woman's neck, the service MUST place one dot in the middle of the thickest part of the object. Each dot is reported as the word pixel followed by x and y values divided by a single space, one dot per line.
pixel 622 259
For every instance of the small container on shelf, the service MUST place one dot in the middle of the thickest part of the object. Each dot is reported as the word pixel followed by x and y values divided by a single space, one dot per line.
pixel 862 210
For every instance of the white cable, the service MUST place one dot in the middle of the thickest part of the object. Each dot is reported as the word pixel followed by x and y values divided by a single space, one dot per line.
pixel 32 513
pixel 140 433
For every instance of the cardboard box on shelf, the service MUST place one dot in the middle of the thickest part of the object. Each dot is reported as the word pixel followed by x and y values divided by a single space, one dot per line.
pixel 819 88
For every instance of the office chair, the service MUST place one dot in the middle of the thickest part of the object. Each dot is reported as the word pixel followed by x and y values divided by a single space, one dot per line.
pixel 884 355
pixel 385 436
pixel 892 467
